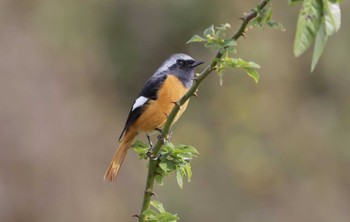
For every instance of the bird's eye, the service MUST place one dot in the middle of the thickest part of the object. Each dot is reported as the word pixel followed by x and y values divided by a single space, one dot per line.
pixel 190 62
pixel 180 62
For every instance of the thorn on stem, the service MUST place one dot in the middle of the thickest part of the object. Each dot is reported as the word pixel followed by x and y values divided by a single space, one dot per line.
pixel 136 215
pixel 177 104
pixel 152 193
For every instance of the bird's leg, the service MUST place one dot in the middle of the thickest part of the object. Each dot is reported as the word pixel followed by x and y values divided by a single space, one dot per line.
pixel 149 140
pixel 149 151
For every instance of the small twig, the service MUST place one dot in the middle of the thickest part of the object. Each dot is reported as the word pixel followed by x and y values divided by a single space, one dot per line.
pixel 154 164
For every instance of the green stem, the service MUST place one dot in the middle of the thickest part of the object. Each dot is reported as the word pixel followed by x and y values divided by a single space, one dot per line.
pixel 154 164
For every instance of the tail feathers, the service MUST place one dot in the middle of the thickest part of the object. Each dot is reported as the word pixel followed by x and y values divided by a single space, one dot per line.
pixel 119 156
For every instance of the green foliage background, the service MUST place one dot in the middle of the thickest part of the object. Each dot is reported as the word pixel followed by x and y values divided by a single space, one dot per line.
pixel 70 70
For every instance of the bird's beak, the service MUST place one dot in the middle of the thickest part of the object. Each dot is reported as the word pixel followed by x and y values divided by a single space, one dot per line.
pixel 197 63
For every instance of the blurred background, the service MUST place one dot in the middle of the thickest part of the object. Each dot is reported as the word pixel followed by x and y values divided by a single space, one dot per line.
pixel 70 70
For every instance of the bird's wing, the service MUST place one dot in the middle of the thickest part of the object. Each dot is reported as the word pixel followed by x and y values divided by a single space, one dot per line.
pixel 148 92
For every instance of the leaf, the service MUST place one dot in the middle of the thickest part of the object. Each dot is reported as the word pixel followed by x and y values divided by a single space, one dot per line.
pixel 276 25
pixel 320 43
pixel 294 1
pixel 140 148
pixel 166 217
pixel 179 178
pixel 159 179
pixel 167 166
pixel 189 149
pixel 252 73
pixel 209 31
pixel 196 38
pixel 212 44
pixel 139 144
pixel 150 213
pixel 158 205
pixel 332 17
pixel 229 43
pixel 188 172
pixel 309 21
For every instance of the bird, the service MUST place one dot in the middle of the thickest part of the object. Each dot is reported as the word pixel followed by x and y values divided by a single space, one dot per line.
pixel 155 101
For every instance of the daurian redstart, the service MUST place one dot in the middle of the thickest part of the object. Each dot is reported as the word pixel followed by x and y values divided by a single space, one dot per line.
pixel 156 100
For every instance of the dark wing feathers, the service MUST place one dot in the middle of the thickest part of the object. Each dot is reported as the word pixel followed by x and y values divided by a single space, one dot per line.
pixel 149 91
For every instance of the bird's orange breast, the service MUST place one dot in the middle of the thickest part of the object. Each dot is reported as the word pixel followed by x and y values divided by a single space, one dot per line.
pixel 156 112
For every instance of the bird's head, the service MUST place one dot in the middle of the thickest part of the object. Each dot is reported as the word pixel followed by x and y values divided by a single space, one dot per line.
pixel 180 65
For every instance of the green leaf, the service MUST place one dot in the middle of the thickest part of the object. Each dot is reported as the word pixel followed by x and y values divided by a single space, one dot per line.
pixel 294 1
pixel 188 172
pixel 159 179
pixel 336 1
pixel 196 38
pixel 276 25
pixel 188 148
pixel 229 43
pixel 309 21
pixel 213 44
pixel 332 17
pixel 140 148
pixel 158 205
pixel 150 213
pixel 252 73
pixel 209 31
pixel 320 43
pixel 139 144
pixel 166 217
pixel 179 178
pixel 167 166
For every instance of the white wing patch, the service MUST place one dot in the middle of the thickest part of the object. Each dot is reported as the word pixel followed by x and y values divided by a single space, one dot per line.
pixel 139 102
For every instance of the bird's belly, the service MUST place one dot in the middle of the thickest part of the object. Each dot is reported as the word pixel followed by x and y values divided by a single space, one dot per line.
pixel 157 111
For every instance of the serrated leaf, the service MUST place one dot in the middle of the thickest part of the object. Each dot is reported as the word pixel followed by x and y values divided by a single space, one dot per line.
pixel 332 16
pixel 229 43
pixel 188 172
pixel 196 38
pixel 253 65
pixel 166 217
pixel 252 73
pixel 336 1
pixel 212 44
pixel 167 166
pixel 158 205
pixel 309 21
pixel 179 178
pixel 139 144
pixel 294 1
pixel 159 179
pixel 276 25
pixel 209 31
pixel 188 148
pixel 320 43
pixel 268 15
pixel 169 146
pixel 150 213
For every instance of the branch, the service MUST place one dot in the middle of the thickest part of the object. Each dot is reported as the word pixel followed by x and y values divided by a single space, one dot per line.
pixel 154 164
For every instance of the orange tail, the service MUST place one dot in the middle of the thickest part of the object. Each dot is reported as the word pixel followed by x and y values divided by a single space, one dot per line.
pixel 119 156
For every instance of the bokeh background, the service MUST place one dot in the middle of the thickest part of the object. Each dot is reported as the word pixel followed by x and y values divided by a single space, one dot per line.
pixel 70 70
